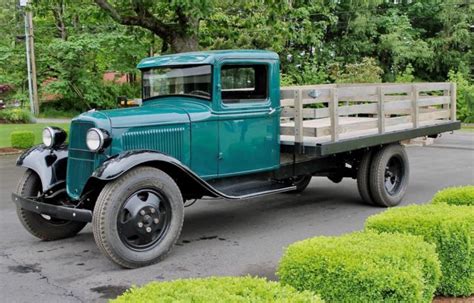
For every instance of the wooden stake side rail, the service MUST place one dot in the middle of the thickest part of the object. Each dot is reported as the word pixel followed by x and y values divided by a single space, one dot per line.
pixel 327 112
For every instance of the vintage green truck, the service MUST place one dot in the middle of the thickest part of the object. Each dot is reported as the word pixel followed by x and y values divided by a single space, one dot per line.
pixel 217 124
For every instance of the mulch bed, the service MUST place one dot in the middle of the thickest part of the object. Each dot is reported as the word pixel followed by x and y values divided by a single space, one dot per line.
pixel 453 300
pixel 9 151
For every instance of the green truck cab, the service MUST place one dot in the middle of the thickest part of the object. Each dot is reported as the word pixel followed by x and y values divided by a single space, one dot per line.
pixel 209 125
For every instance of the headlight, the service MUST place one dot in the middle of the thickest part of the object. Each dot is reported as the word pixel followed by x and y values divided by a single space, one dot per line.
pixel 96 139
pixel 53 136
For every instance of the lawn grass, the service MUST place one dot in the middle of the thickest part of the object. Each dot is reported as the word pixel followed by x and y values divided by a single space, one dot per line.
pixel 37 128
pixel 467 127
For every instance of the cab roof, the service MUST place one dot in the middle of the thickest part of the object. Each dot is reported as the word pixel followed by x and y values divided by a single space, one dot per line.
pixel 205 57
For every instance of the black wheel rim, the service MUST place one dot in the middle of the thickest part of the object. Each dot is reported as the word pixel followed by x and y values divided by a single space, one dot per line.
pixel 144 219
pixel 394 173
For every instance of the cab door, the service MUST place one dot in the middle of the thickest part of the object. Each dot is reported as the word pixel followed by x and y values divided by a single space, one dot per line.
pixel 248 122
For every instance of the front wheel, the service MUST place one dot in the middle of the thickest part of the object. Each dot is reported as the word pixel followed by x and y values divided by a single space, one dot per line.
pixel 42 226
pixel 389 173
pixel 138 217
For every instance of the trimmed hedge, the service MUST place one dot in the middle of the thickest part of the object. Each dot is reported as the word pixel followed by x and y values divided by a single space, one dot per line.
pixel 363 267
pixel 22 139
pixel 450 228
pixel 462 195
pixel 222 289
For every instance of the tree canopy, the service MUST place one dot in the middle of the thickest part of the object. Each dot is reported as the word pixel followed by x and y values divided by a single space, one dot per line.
pixel 318 41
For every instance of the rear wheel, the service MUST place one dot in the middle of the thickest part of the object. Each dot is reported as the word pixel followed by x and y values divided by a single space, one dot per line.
pixel 138 217
pixel 363 180
pixel 389 174
pixel 42 226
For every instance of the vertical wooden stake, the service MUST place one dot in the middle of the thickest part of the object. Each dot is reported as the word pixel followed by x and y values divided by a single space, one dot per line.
pixel 334 115
pixel 381 111
pixel 298 116
pixel 453 101
pixel 446 93
pixel 415 109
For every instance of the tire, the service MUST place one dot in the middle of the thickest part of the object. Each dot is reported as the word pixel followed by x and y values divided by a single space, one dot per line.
pixel 118 213
pixel 389 175
pixel 36 224
pixel 363 180
pixel 301 183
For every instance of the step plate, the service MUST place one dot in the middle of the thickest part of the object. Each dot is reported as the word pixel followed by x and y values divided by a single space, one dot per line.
pixel 250 189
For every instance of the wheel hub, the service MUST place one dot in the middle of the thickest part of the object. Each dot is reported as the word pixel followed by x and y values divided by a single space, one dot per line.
pixel 142 219
pixel 393 175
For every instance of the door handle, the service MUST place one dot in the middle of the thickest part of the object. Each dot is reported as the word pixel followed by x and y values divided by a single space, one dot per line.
pixel 272 111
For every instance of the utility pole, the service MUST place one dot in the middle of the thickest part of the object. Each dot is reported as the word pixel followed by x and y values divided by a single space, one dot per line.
pixel 30 59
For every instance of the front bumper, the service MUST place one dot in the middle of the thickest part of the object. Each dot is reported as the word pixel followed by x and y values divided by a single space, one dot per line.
pixel 55 211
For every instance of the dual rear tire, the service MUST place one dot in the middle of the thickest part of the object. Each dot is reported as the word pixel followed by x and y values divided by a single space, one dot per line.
pixel 383 175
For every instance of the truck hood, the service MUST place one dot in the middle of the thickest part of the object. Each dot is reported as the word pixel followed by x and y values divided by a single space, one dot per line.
pixel 147 115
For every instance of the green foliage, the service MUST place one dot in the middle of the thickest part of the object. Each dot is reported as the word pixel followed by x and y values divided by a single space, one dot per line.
pixel 363 267
pixel 222 289
pixel 22 139
pixel 405 76
pixel 450 228
pixel 462 195
pixel 82 88
pixel 464 96
pixel 15 115
pixel 318 42
pixel 365 72
pixel 53 110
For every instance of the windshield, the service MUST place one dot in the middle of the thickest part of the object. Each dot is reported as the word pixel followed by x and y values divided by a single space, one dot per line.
pixel 180 80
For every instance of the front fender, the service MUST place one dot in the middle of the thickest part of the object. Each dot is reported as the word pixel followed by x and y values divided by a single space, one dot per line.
pixel 120 164
pixel 49 164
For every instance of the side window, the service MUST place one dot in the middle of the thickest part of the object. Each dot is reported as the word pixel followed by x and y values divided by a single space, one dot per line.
pixel 244 83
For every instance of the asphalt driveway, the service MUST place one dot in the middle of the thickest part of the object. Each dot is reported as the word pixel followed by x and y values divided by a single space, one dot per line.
pixel 218 238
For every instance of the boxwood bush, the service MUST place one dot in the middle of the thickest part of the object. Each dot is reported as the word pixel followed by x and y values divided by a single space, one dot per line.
pixel 363 267
pixel 22 139
pixel 450 228
pixel 222 289
pixel 462 195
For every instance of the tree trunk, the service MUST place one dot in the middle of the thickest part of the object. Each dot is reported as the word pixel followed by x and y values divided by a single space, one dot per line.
pixel 183 43
pixel 181 37
pixel 58 13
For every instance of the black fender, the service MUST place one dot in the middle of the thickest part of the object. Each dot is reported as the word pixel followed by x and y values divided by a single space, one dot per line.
pixel 116 166
pixel 49 163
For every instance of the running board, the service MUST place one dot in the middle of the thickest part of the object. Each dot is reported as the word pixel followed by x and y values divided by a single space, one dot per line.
pixel 250 189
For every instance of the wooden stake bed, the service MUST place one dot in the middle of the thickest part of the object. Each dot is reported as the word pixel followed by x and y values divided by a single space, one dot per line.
pixel 316 116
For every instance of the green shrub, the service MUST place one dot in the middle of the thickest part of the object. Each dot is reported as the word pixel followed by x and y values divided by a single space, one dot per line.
pixel 22 139
pixel 363 267
pixel 450 228
pixel 15 115
pixel 464 96
pixel 462 195
pixel 223 289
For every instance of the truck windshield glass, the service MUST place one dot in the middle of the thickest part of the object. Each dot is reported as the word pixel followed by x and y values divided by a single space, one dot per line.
pixel 181 80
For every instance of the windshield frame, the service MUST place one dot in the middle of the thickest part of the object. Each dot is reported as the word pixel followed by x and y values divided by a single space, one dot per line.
pixel 209 99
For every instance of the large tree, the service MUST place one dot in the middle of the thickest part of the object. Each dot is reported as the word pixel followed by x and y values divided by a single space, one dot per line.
pixel 175 22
